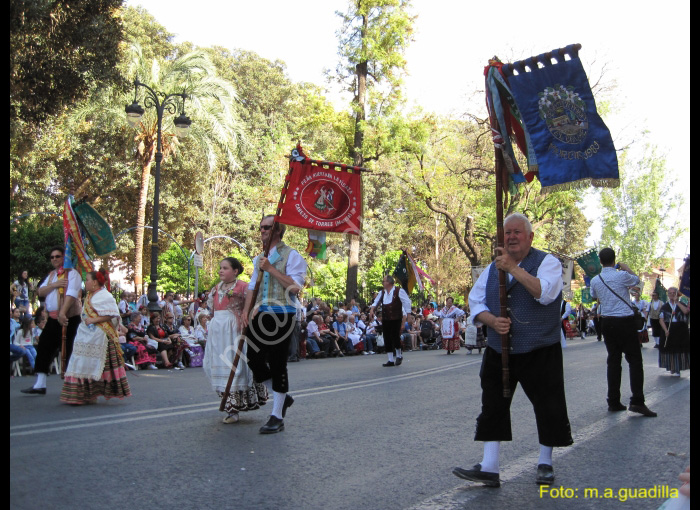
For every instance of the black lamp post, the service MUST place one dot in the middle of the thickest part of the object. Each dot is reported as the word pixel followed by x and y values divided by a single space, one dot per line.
pixel 162 103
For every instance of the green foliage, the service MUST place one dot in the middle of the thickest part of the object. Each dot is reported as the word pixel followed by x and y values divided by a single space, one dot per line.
pixel 31 240
pixel 641 218
pixel 59 51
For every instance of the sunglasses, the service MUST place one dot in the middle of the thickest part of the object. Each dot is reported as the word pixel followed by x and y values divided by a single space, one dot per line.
pixel 56 257
pixel 265 227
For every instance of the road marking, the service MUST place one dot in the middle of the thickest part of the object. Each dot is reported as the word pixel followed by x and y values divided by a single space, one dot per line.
pixel 458 498
pixel 167 412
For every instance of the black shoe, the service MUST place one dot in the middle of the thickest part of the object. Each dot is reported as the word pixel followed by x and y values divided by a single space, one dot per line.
pixel 288 401
pixel 388 364
pixel 643 410
pixel 613 408
pixel 545 474
pixel 34 391
pixel 477 475
pixel 272 426
pixel 399 361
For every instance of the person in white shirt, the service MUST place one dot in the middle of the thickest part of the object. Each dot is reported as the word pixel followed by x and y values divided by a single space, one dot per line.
pixel 396 305
pixel 62 290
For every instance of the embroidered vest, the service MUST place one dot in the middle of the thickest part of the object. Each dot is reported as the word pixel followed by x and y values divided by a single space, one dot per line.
pixel 272 295
pixel 655 314
pixel 394 310
pixel 532 325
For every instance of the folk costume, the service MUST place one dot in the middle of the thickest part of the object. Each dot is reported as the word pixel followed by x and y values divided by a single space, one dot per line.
pixel 395 305
pixel 272 327
pixel 449 328
pixel 674 348
pixel 96 367
pixel 223 333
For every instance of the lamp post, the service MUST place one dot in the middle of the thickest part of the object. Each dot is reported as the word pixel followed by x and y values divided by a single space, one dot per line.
pixel 162 103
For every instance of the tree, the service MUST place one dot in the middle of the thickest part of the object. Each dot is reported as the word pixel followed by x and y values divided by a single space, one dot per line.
pixel 59 51
pixel 373 38
pixel 31 240
pixel 641 217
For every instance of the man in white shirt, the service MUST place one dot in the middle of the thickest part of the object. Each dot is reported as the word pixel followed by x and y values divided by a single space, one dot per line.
pixel 611 288
pixel 396 305
pixel 62 292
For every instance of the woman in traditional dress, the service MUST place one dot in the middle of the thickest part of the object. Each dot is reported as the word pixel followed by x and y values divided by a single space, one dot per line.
pixel 226 299
pixel 136 336
pixel 96 366
pixel 674 346
pixel 449 328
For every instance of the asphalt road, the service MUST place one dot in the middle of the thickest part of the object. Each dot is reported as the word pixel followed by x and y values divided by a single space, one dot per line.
pixel 358 436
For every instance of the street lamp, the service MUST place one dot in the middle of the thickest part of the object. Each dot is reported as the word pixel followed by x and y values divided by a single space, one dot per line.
pixel 162 103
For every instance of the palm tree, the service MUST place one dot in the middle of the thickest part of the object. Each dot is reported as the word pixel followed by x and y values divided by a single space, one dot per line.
pixel 216 129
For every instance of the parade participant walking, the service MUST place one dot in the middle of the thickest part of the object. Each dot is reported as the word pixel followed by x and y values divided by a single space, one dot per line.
pixel 96 366
pixel 272 317
pixel 449 327
pixel 674 347
pixel 643 307
pixel 611 288
pixel 62 291
pixel 534 325
pixel 226 299
pixel 396 305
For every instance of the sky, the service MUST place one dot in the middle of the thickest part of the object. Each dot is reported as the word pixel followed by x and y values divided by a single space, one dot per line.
pixel 644 48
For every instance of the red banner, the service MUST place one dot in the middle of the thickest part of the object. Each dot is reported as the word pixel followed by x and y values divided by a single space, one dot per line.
pixel 325 199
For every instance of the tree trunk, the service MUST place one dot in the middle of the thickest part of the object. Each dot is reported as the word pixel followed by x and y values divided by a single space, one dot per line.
pixel 358 160
pixel 141 222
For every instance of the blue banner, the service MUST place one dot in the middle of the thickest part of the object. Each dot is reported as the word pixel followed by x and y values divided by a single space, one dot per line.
pixel 556 105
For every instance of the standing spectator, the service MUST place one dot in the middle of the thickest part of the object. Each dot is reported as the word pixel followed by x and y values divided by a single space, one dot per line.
pixel 22 297
pixel 611 288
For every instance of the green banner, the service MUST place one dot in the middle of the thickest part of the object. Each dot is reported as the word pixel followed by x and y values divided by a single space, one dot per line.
pixel 590 263
pixel 97 229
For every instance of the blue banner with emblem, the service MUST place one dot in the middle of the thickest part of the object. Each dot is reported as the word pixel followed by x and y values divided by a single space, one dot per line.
pixel 571 143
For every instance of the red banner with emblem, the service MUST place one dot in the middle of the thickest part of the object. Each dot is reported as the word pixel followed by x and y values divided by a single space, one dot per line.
pixel 327 198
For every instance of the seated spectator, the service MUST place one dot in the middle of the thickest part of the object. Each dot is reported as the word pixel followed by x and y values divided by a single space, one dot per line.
pixel 314 340
pixel 340 327
pixel 145 316
pixel 173 334
pixel 354 334
pixel 23 339
pixel 128 350
pixel 329 335
pixel 136 336
pixel 200 329
pixel 156 333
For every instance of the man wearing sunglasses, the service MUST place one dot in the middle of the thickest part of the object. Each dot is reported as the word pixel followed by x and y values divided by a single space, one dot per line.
pixel 62 292
pixel 273 316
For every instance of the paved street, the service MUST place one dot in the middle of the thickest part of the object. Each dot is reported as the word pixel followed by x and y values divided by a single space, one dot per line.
pixel 358 436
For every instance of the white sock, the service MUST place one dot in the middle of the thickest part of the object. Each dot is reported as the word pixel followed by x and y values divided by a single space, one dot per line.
pixel 277 404
pixel 40 381
pixel 490 461
pixel 656 339
pixel 398 353
pixel 391 356
pixel 545 455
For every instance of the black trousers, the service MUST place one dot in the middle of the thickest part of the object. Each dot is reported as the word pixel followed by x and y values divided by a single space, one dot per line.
pixel 392 335
pixel 620 336
pixel 50 341
pixel 541 374
pixel 268 348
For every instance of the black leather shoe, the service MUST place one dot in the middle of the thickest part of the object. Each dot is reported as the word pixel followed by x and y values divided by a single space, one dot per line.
pixel 613 408
pixel 399 361
pixel 388 364
pixel 643 410
pixel 288 401
pixel 34 391
pixel 545 474
pixel 272 426
pixel 477 475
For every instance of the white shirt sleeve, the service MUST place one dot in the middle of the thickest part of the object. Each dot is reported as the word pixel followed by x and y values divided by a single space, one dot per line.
pixel 296 269
pixel 477 296
pixel 405 301
pixel 75 283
